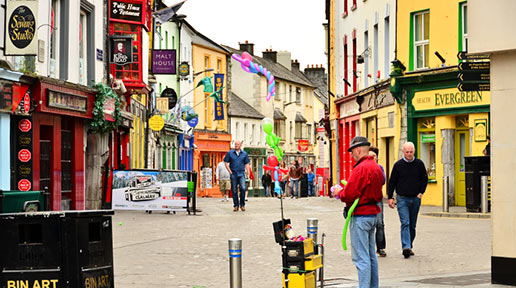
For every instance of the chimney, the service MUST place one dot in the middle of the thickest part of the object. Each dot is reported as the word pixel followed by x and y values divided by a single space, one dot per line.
pixel 247 47
pixel 315 72
pixel 284 58
pixel 270 55
pixel 295 65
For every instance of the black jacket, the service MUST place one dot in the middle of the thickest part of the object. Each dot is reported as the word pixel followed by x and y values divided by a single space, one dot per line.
pixel 407 178
pixel 266 179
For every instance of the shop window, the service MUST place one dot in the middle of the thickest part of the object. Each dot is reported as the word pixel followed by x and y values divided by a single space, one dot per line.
pixel 464 26
pixel 426 145
pixel 130 72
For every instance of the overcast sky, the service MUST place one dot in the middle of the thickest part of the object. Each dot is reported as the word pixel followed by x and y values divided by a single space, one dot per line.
pixel 292 25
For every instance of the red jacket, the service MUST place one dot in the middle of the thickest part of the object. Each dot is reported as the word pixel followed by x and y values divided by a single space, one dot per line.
pixel 366 182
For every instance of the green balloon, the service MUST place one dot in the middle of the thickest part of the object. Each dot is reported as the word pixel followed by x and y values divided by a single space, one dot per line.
pixel 270 140
pixel 267 128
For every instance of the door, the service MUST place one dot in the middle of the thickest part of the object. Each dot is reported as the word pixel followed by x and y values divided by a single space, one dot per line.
pixel 461 151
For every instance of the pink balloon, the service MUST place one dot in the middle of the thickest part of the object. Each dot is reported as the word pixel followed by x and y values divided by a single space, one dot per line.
pixel 247 56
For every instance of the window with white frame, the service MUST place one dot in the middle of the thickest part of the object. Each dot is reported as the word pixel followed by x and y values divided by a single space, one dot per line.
pixel 309 132
pixel 421 39
pixel 289 93
pixel 464 11
pixel 279 128
pixel 83 58
pixel 291 132
pixel 253 134
pixel 245 132
pixel 277 95
pixel 299 130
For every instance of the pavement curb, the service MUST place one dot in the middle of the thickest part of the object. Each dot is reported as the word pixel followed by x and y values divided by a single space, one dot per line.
pixel 458 215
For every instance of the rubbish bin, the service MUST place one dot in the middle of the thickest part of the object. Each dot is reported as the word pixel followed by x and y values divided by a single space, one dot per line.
pixel 303 185
pixel 476 166
pixel 56 249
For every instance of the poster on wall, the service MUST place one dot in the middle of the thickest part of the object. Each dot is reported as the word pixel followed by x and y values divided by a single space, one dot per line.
pixel 150 190
pixel 206 178
pixel 21 27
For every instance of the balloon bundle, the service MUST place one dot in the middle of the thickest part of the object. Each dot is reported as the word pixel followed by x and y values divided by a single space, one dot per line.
pixel 273 166
pixel 271 138
pixel 249 66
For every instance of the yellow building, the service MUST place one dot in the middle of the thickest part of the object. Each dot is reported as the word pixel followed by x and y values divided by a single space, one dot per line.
pixel 445 124
pixel 211 135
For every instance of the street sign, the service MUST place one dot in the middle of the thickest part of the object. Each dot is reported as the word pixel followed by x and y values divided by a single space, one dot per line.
pixel 474 86
pixel 474 76
pixel 474 66
pixel 465 56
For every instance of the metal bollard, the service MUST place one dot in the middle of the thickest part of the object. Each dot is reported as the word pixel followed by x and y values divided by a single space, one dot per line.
pixel 235 263
pixel 483 194
pixel 311 227
pixel 446 186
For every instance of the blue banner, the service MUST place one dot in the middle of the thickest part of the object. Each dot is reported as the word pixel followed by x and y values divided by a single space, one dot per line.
pixel 219 106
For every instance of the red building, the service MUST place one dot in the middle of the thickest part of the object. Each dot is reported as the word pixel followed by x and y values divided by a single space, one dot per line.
pixel 59 131
pixel 349 127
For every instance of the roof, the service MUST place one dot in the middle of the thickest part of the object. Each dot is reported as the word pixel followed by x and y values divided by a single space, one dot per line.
pixel 239 108
pixel 200 39
pixel 278 115
pixel 279 71
pixel 300 118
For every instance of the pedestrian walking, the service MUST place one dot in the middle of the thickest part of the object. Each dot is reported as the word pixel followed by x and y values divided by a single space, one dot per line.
pixel 283 180
pixel 294 174
pixel 266 183
pixel 409 179
pixel 380 226
pixel 222 177
pixel 364 183
pixel 311 181
pixel 237 162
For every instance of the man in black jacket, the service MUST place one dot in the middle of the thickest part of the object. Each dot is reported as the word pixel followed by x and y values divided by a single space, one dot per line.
pixel 409 178
pixel 266 182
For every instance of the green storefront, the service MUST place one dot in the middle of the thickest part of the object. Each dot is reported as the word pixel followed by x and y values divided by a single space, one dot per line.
pixel 257 157
pixel 444 124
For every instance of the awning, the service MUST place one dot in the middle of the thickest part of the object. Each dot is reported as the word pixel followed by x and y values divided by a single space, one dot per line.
pixel 300 118
pixel 278 115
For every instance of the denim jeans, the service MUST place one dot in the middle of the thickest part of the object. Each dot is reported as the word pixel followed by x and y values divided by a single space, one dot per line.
pixel 408 208
pixel 362 250
pixel 235 182
pixel 380 231
pixel 294 187
pixel 266 189
pixel 310 188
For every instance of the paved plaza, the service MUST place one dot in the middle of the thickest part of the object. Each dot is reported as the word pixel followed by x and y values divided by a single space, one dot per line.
pixel 178 250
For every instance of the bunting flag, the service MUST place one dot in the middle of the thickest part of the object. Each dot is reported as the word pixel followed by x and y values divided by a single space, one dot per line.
pixel 208 87
pixel 166 14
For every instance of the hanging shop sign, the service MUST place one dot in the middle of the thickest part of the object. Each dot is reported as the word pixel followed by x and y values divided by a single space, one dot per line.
pixel 21 27
pixel 162 105
pixel 449 98
pixel 67 101
pixel 184 69
pixel 128 12
pixel 480 130
pixel 171 96
pixel 156 123
pixel 6 96
pixel 121 50
pixel 164 61
pixel 25 125
pixel 193 122
pixel 219 107
pixel 109 108
pixel 302 145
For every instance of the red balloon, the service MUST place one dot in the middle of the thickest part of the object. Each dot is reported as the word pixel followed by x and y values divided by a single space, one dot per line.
pixel 272 161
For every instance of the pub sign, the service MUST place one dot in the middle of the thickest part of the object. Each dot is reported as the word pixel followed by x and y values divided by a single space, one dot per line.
pixel 121 50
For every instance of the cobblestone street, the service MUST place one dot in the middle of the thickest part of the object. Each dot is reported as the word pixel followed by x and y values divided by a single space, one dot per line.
pixel 167 250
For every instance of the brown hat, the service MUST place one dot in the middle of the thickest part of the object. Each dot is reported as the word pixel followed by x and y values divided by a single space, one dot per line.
pixel 358 141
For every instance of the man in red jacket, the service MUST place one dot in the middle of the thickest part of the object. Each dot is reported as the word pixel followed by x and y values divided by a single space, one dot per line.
pixel 366 183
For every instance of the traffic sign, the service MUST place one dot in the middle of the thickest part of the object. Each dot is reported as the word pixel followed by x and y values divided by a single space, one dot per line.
pixel 465 56
pixel 24 185
pixel 474 76
pixel 474 66
pixel 25 125
pixel 474 87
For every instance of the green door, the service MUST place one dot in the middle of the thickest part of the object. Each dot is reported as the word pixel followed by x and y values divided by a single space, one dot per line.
pixel 461 151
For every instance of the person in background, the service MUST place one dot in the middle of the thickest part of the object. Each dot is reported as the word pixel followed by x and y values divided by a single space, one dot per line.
pixel 311 182
pixel 380 226
pixel 294 174
pixel 266 183
pixel 283 180
pixel 409 178
pixel 223 180
pixel 237 162
pixel 487 150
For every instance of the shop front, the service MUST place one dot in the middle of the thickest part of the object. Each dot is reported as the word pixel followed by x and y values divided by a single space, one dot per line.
pixel 348 127
pixel 446 125
pixel 59 133
pixel 211 147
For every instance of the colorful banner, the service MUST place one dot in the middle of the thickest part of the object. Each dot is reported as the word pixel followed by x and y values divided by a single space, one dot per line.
pixel 150 190
pixel 219 106
pixel 21 27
